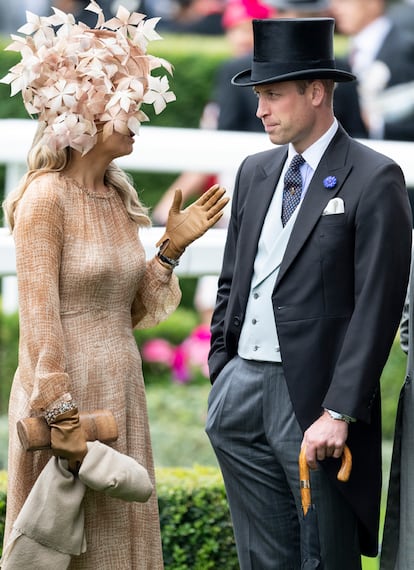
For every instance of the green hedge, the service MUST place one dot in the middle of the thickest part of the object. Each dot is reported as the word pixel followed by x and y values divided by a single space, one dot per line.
pixel 196 528
pixel 9 340
pixel 195 521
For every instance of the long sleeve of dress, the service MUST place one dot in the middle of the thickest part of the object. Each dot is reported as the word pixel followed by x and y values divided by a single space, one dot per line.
pixel 157 298
pixel 38 236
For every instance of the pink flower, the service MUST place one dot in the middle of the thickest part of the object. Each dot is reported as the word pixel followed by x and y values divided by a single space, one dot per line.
pixel 198 346
pixel 158 350
pixel 184 360
pixel 181 372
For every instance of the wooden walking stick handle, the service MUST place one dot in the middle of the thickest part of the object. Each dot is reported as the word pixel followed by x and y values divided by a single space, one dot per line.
pixel 34 433
pixel 346 466
pixel 305 490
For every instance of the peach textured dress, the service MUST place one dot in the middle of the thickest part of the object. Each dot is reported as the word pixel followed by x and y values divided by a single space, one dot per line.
pixel 84 283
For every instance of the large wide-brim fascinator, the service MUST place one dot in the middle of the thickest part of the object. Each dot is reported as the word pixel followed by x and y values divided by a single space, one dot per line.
pixel 73 77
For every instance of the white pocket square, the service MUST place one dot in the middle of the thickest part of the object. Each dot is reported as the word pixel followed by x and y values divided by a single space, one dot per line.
pixel 334 206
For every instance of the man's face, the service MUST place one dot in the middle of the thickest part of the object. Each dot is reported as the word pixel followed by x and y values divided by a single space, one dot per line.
pixel 354 15
pixel 287 114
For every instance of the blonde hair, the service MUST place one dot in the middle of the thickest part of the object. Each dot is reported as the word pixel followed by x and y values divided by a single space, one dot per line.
pixel 41 160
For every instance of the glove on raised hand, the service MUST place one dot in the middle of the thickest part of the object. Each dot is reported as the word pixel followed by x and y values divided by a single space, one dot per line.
pixel 67 438
pixel 185 226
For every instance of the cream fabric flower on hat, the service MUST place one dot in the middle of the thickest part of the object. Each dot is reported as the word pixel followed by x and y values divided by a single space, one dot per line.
pixel 158 93
pixel 72 77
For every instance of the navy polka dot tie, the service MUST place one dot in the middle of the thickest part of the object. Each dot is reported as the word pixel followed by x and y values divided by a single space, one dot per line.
pixel 292 189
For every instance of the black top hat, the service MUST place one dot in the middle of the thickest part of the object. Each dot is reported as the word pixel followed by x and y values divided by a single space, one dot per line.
pixel 292 48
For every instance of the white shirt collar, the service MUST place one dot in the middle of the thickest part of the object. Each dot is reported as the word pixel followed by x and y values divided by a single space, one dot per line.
pixel 314 153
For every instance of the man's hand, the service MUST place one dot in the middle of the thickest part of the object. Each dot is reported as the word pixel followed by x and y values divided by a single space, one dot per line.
pixel 324 438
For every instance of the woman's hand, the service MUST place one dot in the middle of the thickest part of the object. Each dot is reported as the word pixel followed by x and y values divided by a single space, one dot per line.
pixel 185 226
pixel 67 439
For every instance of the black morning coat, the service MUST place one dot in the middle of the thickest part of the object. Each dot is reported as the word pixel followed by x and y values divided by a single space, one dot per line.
pixel 338 297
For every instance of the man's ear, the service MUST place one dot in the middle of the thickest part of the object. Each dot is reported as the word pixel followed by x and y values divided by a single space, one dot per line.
pixel 318 92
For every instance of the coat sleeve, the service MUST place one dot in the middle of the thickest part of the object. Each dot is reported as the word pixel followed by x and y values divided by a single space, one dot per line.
pixel 382 253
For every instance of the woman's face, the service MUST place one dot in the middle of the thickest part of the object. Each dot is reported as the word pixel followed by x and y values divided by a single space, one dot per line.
pixel 116 144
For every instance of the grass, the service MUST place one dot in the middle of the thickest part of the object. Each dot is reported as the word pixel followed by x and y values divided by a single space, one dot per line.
pixel 177 416
pixel 370 563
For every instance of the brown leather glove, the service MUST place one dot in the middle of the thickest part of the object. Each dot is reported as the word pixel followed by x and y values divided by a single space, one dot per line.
pixel 67 438
pixel 185 226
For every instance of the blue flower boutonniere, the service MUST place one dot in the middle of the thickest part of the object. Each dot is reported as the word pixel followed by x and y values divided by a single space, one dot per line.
pixel 330 182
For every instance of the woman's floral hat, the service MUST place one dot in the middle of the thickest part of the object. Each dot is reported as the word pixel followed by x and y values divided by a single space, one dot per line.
pixel 72 76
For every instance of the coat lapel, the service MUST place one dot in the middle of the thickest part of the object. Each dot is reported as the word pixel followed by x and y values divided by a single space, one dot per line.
pixel 333 163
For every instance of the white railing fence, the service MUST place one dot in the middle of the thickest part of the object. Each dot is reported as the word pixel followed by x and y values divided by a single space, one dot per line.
pixel 161 149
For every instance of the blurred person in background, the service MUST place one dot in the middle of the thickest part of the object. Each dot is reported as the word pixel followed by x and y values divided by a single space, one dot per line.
pixel 380 105
pixel 194 17
pixel 402 14
pixel 156 8
pixel 381 56
pixel 77 9
pixel 300 8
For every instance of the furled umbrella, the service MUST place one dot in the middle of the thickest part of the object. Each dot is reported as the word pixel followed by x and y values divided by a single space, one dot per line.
pixel 310 547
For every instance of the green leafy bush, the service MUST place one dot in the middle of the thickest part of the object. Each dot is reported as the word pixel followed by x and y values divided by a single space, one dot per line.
pixel 9 341
pixel 177 416
pixel 195 521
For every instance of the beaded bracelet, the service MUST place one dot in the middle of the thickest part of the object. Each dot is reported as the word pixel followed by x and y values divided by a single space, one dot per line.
pixel 52 414
pixel 171 262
